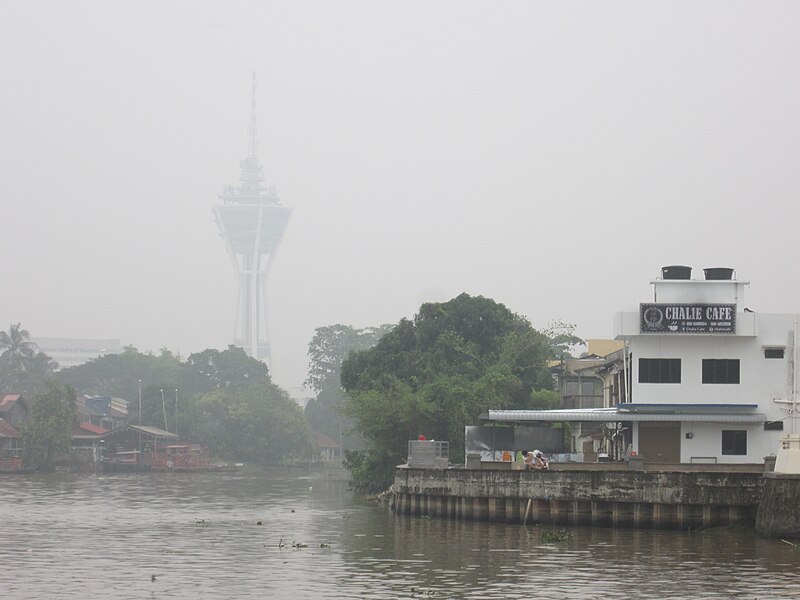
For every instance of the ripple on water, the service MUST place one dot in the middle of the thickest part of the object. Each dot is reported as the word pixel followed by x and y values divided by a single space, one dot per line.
pixel 77 537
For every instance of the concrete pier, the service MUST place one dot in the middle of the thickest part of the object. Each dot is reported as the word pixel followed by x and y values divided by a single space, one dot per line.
pixel 779 510
pixel 616 497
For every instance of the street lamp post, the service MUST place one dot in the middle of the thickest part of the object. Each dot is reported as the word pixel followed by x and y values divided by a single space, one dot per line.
pixel 176 411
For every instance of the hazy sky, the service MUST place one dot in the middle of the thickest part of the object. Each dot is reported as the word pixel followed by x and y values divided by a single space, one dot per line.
pixel 550 155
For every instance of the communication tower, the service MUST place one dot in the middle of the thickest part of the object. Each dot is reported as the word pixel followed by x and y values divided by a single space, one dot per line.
pixel 252 221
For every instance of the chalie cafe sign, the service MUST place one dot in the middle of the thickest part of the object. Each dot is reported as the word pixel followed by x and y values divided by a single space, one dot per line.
pixel 687 318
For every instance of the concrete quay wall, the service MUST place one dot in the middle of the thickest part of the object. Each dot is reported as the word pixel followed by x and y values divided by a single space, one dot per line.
pixel 651 498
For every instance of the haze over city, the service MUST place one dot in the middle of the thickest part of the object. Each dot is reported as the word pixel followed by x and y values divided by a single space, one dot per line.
pixel 550 156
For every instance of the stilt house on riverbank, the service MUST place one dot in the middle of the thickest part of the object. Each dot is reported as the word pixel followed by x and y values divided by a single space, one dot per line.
pixel 701 378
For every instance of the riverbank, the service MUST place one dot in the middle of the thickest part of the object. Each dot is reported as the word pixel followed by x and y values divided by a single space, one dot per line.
pixel 664 497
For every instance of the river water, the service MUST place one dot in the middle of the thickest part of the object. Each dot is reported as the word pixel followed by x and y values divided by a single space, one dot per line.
pixel 166 536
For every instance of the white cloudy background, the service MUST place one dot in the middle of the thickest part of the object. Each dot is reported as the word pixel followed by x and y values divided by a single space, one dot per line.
pixel 550 155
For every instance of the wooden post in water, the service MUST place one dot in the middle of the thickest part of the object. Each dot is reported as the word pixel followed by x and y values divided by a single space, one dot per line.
pixel 527 511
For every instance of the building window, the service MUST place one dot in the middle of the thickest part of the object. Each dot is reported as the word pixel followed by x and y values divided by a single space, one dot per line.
pixel 659 370
pixel 773 426
pixel 773 352
pixel 734 442
pixel 720 370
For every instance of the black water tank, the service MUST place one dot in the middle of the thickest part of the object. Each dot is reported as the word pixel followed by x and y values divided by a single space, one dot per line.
pixel 718 273
pixel 676 272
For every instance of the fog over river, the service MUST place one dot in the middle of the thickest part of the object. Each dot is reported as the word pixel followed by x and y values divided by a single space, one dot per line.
pixel 198 536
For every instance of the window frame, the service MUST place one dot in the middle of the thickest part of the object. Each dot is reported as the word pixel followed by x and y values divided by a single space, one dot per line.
pixel 736 444
pixel 720 371
pixel 660 370
pixel 774 350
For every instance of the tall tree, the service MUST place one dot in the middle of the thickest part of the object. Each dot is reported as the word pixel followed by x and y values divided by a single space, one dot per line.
pixel 260 424
pixel 561 338
pixel 212 370
pixel 16 346
pixel 438 373
pixel 23 369
pixel 47 432
pixel 327 350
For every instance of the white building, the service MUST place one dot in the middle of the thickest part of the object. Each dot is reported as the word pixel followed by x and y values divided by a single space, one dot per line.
pixel 71 352
pixel 714 377
pixel 708 380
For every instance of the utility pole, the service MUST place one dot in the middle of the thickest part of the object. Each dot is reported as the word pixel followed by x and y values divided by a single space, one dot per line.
pixel 164 410
pixel 176 411
pixel 140 416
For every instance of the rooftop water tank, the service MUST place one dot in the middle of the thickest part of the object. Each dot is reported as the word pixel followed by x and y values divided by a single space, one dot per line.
pixel 676 272
pixel 718 273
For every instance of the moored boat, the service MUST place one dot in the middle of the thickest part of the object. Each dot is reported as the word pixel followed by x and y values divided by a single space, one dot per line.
pixel 185 458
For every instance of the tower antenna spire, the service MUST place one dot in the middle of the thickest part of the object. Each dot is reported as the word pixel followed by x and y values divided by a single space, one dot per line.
pixel 252 222
pixel 253 147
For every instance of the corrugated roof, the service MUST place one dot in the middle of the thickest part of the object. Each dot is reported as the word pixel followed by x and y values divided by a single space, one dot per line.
pixel 89 428
pixel 9 399
pixel 7 431
pixel 153 431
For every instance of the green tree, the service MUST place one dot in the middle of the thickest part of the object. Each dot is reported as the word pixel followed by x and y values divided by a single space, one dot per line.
pixel 327 350
pixel 47 432
pixel 23 369
pixel 545 400
pixel 119 374
pixel 561 338
pixel 212 370
pixel 260 424
pixel 16 346
pixel 438 373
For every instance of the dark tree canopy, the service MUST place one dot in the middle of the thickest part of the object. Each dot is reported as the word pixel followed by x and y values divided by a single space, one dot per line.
pixel 119 374
pixel 47 433
pixel 439 372
pixel 219 370
pixel 222 398
pixel 259 424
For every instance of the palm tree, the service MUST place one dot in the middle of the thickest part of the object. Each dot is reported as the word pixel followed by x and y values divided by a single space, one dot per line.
pixel 16 347
pixel 17 352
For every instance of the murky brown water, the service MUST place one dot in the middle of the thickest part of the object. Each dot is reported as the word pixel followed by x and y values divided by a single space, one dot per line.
pixel 107 536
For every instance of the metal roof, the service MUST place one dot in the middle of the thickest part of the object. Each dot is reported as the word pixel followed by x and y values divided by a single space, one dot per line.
pixel 614 414
pixel 7 431
pixel 153 431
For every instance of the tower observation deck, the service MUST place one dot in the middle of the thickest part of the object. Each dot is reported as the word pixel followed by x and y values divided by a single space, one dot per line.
pixel 251 220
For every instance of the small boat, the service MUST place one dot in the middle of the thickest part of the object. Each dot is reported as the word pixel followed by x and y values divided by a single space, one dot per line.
pixel 185 458
pixel 13 465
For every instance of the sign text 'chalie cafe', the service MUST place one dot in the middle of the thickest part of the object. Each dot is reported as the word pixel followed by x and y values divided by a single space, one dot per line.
pixel 687 318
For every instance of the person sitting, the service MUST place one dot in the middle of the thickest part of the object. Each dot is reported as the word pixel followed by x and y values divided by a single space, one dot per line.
pixel 527 459
pixel 539 461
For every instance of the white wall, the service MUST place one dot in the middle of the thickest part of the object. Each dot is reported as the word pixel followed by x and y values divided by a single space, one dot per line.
pixel 707 441
pixel 762 380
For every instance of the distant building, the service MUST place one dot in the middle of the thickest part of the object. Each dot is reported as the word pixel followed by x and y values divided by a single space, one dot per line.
pixel 10 440
pixel 13 410
pixel 103 411
pixel 252 221
pixel 71 352
pixel 329 451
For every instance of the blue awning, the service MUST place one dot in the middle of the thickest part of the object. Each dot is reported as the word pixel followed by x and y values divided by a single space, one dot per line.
pixel 675 413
